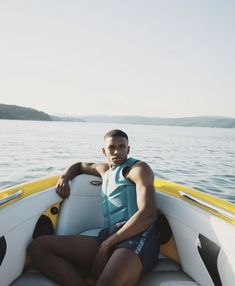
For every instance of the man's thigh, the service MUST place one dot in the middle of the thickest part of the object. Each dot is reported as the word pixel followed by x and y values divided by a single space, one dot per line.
pixel 123 268
pixel 78 249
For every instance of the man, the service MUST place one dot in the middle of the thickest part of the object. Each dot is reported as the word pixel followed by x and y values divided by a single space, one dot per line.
pixel 128 245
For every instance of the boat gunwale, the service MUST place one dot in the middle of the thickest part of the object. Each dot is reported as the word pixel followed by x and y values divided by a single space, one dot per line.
pixel 208 202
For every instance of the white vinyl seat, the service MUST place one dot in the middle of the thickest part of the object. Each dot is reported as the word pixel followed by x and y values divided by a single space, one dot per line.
pixel 165 273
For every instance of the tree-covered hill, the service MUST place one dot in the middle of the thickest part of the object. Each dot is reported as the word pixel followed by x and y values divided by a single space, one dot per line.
pixel 22 113
pixel 200 121
pixel 16 112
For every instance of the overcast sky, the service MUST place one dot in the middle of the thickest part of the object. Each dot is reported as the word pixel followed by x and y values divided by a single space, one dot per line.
pixel 168 58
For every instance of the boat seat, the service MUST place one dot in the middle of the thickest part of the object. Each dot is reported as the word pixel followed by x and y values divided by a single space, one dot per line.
pixel 165 273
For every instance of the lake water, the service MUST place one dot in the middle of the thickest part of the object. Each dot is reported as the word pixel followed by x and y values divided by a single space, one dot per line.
pixel 201 158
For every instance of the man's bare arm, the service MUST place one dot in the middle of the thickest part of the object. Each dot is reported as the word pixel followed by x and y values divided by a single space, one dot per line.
pixel 76 169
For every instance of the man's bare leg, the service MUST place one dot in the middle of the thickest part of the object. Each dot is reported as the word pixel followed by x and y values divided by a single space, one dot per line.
pixel 122 269
pixel 59 257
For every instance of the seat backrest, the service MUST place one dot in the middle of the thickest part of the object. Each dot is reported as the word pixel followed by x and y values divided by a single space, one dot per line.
pixel 82 210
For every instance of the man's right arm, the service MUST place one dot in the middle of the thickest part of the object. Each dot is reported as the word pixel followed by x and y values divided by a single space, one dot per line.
pixel 79 168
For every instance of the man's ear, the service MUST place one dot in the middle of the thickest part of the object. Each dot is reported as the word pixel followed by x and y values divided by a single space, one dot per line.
pixel 128 149
pixel 103 151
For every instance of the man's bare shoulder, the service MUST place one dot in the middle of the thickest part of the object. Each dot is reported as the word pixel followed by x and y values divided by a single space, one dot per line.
pixel 141 165
pixel 101 168
pixel 141 168
pixel 96 169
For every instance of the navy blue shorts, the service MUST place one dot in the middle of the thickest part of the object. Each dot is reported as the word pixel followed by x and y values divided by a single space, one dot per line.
pixel 145 244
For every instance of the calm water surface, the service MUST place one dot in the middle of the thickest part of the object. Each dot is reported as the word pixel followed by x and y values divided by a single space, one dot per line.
pixel 202 158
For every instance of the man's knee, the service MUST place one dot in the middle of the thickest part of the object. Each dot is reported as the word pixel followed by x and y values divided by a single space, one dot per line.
pixel 106 280
pixel 37 247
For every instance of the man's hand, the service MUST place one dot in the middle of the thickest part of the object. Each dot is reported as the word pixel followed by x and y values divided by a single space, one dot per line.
pixel 100 260
pixel 62 187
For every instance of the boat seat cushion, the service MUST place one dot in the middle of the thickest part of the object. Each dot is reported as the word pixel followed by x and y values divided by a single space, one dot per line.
pixel 166 278
pixel 179 283
pixel 165 273
pixel 91 232
pixel 33 279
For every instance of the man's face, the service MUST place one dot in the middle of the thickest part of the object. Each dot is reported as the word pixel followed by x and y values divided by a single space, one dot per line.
pixel 116 150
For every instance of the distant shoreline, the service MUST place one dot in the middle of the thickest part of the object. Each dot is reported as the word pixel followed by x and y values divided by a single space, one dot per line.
pixel 14 112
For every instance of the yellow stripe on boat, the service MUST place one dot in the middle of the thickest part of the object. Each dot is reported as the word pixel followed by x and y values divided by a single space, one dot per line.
pixel 26 189
pixel 210 203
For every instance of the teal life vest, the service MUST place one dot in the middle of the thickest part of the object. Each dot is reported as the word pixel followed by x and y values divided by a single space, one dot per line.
pixel 118 195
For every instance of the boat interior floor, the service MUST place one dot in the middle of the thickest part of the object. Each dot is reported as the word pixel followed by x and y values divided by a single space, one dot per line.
pixel 165 273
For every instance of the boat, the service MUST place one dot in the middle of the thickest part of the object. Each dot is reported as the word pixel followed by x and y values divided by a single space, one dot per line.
pixel 197 231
